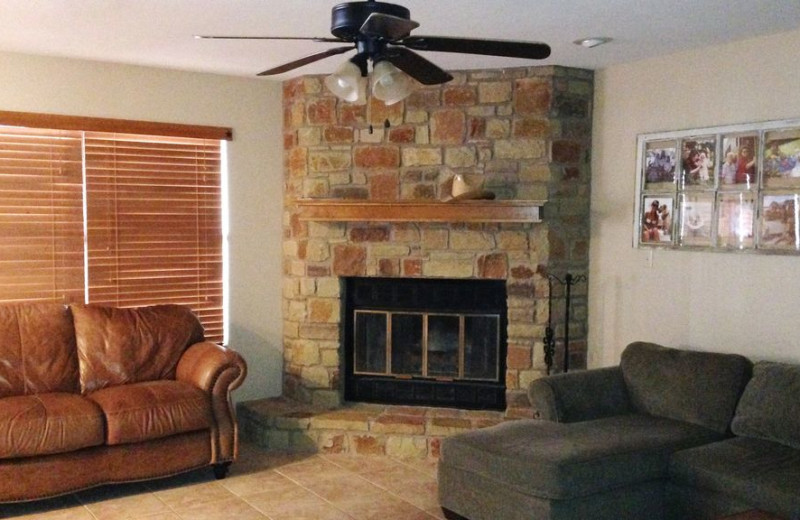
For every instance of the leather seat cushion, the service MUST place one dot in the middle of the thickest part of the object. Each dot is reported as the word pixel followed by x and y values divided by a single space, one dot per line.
pixel 151 410
pixel 43 424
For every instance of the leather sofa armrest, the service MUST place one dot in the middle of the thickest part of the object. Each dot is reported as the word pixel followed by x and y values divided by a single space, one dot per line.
pixel 580 396
pixel 218 371
pixel 204 364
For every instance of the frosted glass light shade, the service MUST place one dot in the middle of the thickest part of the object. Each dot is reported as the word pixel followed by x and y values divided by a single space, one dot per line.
pixel 390 84
pixel 347 84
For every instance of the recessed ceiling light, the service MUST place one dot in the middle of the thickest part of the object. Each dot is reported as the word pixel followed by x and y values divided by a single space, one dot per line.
pixel 592 42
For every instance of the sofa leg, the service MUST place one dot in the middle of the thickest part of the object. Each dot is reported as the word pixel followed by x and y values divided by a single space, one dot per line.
pixel 449 515
pixel 221 470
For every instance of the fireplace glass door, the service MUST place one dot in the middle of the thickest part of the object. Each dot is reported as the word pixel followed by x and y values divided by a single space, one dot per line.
pixel 420 341
pixel 439 346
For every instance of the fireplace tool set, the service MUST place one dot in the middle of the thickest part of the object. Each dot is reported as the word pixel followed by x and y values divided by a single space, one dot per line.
pixel 549 334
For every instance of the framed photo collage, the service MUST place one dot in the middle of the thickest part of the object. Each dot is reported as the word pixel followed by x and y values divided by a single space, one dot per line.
pixel 733 188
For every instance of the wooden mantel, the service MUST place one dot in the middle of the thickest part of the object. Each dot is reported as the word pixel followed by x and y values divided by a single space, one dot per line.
pixel 353 210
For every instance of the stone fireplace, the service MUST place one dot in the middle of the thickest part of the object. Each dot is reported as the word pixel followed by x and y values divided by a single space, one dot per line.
pixel 525 132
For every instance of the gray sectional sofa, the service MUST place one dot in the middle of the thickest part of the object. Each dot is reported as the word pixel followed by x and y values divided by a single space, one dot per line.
pixel 667 434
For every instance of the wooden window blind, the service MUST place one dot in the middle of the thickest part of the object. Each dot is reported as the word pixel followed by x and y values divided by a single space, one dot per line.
pixel 41 215
pixel 152 228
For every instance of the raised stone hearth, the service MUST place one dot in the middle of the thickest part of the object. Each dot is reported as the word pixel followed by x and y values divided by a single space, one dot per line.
pixel 526 133
pixel 358 429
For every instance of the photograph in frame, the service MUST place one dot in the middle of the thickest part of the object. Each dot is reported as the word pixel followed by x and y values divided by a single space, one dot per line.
pixel 697 218
pixel 782 158
pixel 698 162
pixel 659 168
pixel 779 216
pixel 736 219
pixel 656 220
pixel 739 161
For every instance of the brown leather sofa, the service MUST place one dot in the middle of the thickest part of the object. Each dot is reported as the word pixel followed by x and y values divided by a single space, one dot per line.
pixel 95 395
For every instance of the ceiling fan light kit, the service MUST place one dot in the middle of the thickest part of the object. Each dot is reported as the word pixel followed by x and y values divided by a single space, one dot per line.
pixel 390 84
pixel 348 83
pixel 380 33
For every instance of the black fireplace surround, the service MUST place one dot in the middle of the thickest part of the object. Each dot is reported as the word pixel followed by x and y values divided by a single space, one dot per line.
pixel 425 341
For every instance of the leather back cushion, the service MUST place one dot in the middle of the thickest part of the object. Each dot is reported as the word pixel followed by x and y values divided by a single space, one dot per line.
pixel 119 346
pixel 770 406
pixel 697 387
pixel 37 349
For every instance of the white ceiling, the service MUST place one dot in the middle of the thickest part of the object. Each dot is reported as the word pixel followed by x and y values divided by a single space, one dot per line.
pixel 160 33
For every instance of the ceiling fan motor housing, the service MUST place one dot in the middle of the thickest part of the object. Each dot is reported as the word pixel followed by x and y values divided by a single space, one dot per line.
pixel 381 32
pixel 347 18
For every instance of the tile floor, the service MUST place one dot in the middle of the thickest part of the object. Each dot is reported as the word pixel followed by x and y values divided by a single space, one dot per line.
pixel 262 485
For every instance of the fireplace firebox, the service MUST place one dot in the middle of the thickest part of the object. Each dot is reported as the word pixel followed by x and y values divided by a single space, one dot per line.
pixel 423 341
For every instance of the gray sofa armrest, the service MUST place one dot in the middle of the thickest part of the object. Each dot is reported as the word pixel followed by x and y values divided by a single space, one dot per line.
pixel 580 396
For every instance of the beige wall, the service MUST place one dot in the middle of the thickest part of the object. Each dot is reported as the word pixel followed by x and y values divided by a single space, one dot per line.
pixel 709 301
pixel 253 109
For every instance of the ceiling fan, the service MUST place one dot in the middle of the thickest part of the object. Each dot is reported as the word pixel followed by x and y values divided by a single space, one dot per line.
pixel 380 33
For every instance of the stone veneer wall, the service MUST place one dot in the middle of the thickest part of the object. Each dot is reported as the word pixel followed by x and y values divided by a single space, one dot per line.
pixel 525 131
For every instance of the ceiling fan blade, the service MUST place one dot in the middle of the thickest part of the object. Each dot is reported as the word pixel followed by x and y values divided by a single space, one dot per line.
pixel 223 37
pixel 280 69
pixel 416 66
pixel 507 48
pixel 388 27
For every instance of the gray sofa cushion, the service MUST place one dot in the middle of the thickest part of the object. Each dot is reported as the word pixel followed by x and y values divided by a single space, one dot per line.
pixel 689 502
pixel 583 395
pixel 561 461
pixel 479 498
pixel 697 387
pixel 763 474
pixel 770 406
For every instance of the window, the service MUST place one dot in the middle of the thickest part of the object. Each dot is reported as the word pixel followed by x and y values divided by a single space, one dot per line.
pixel 112 218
